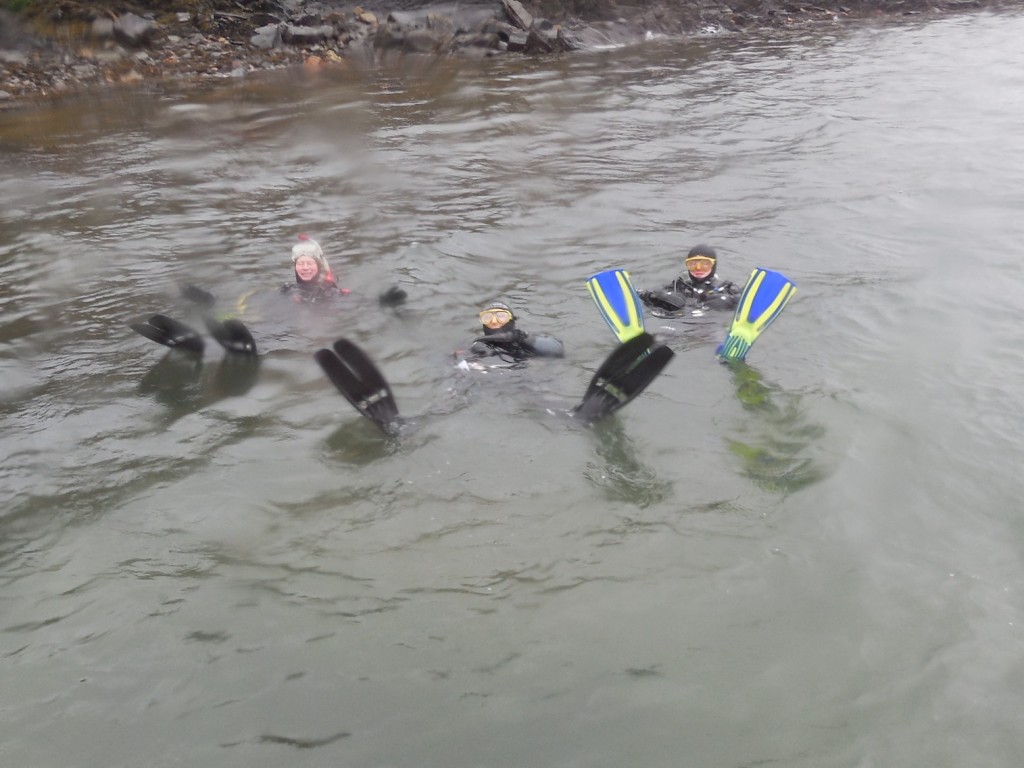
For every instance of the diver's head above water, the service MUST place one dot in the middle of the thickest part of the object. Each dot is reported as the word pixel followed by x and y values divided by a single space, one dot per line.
pixel 309 262
pixel 497 317
pixel 701 263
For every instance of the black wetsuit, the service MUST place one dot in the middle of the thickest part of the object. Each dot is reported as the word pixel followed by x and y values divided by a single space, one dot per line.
pixel 313 291
pixel 322 290
pixel 686 294
pixel 513 345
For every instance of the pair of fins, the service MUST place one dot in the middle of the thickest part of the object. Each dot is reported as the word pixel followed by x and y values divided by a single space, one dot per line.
pixel 623 375
pixel 230 334
pixel 762 301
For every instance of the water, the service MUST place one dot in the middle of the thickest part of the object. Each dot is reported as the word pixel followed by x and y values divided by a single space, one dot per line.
pixel 815 561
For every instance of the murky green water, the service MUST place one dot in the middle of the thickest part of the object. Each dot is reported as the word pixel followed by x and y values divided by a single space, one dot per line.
pixel 814 562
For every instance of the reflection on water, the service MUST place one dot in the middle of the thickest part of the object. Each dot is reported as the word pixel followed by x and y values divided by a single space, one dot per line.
pixel 776 456
pixel 812 560
pixel 182 383
pixel 621 474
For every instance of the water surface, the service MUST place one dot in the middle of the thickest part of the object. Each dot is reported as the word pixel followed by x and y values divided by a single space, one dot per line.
pixel 814 561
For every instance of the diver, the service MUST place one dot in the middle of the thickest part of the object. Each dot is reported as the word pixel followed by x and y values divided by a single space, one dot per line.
pixel 314 280
pixel 698 290
pixel 502 339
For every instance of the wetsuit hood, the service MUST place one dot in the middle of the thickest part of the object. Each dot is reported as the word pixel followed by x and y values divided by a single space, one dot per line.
pixel 509 326
pixel 707 252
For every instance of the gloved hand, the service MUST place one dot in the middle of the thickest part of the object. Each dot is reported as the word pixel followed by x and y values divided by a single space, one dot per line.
pixel 393 296
pixel 197 295
pixel 671 302
pixel 503 338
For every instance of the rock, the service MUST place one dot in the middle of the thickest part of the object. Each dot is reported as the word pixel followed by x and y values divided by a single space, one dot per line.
pixel 267 37
pixel 517 41
pixel 296 35
pixel 485 40
pixel 538 41
pixel 367 17
pixel 441 25
pixel 407 19
pixel 517 14
pixel 102 28
pixel 135 31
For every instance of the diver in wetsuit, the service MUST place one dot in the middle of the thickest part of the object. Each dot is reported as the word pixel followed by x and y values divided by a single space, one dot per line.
pixel 698 290
pixel 501 337
pixel 314 280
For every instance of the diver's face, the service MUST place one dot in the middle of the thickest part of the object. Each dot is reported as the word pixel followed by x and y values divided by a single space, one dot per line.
pixel 700 267
pixel 306 268
pixel 493 319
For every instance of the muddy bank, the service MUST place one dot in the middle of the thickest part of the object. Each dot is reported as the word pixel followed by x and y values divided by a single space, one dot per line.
pixel 56 48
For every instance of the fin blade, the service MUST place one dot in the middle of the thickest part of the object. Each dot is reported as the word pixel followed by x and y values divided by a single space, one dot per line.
pixel 232 334
pixel 171 333
pixel 618 303
pixel 624 374
pixel 761 302
pixel 361 383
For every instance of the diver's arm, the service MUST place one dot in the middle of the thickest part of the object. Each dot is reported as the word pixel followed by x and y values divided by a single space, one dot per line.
pixel 543 345
pixel 516 340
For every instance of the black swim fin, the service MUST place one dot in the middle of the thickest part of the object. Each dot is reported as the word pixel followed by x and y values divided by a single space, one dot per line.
pixel 171 333
pixel 624 374
pixel 361 383
pixel 232 335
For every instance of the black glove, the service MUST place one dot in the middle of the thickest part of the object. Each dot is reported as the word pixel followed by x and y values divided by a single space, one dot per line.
pixel 197 295
pixel 392 297
pixel 671 302
pixel 503 338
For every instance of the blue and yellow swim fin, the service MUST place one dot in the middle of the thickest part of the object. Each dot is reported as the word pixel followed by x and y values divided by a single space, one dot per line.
pixel 762 300
pixel 616 300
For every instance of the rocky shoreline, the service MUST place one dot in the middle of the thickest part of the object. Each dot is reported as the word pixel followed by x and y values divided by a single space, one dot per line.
pixel 67 48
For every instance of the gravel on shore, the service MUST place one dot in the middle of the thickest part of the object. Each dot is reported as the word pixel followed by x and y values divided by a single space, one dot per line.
pixel 72 48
